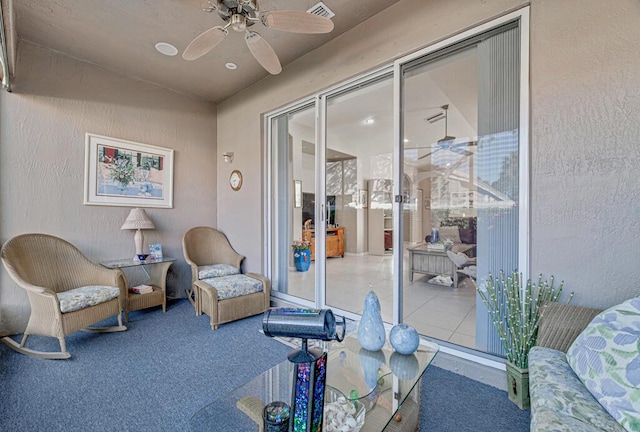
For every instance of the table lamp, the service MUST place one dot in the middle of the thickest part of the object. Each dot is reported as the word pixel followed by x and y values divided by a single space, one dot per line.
pixel 138 220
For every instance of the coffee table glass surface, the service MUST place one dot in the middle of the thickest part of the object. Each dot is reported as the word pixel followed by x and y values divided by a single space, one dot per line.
pixel 385 382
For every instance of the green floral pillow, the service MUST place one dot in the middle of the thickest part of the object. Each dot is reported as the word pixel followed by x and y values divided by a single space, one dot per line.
pixel 606 358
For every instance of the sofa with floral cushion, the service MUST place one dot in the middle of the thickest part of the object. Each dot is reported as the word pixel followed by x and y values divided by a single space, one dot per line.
pixel 584 375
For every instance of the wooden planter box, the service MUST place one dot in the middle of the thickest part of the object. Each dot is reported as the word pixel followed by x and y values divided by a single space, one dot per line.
pixel 518 385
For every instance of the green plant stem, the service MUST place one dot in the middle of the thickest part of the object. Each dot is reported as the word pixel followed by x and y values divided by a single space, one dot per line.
pixel 515 309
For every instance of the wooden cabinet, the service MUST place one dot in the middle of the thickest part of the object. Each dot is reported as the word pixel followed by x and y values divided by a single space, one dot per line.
pixel 335 242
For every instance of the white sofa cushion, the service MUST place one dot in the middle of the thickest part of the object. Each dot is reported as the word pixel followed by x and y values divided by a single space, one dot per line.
pixel 606 358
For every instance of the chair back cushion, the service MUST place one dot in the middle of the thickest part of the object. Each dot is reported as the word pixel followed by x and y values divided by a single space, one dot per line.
pixel 216 270
pixel 86 296
pixel 605 358
pixel 234 286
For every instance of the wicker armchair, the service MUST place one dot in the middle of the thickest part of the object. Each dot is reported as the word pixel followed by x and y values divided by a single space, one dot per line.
pixel 67 292
pixel 205 246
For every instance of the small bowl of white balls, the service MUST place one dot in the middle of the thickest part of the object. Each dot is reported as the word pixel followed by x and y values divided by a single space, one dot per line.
pixel 340 413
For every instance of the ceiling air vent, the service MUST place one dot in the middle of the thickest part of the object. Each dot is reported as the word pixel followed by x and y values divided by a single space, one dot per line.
pixel 321 9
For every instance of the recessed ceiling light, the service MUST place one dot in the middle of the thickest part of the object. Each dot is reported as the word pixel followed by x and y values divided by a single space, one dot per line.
pixel 406 140
pixel 166 49
pixel 231 66
pixel 369 121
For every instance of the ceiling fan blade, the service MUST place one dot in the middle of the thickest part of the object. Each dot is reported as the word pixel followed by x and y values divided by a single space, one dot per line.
pixel 296 21
pixel 204 43
pixel 263 52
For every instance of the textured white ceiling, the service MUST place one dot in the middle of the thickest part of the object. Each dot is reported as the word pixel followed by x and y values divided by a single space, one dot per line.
pixel 120 35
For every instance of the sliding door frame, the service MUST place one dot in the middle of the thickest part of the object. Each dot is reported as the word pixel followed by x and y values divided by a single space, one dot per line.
pixel 320 100
pixel 268 191
pixel 524 210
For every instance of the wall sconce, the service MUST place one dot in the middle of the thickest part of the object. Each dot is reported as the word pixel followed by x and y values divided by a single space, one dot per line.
pixel 228 157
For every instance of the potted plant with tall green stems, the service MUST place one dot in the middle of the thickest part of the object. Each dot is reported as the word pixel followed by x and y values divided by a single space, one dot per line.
pixel 515 309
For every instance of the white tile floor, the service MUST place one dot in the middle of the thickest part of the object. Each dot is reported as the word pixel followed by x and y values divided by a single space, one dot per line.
pixel 441 312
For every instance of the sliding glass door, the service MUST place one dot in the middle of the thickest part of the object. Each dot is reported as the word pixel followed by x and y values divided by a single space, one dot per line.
pixel 460 128
pixel 358 189
pixel 411 181
pixel 293 138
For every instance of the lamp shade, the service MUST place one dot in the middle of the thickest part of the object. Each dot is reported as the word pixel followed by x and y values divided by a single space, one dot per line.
pixel 138 219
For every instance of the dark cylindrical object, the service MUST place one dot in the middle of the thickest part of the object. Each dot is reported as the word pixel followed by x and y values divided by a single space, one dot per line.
pixel 302 323
pixel 275 417
pixel 435 235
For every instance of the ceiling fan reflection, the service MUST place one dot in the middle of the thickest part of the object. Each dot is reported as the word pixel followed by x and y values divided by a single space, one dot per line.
pixel 447 142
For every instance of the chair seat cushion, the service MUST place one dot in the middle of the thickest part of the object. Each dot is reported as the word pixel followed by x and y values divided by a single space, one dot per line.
pixel 234 285
pixel 216 270
pixel 86 296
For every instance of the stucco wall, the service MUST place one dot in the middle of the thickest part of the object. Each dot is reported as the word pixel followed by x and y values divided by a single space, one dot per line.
pixel 585 93
pixel 585 81
pixel 56 100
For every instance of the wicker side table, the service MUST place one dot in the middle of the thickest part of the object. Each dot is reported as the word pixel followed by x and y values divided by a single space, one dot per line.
pixel 156 271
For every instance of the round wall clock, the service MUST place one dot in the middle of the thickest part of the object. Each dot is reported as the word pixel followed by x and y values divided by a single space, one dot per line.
pixel 235 180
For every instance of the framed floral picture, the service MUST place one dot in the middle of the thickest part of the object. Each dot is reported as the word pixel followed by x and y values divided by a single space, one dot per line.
pixel 127 173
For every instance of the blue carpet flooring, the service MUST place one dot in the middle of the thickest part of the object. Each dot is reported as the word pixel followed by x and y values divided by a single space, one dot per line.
pixel 165 367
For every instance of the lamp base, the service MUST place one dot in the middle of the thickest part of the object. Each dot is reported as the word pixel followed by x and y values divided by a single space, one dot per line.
pixel 138 239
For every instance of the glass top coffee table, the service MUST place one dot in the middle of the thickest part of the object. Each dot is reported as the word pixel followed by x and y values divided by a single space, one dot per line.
pixel 386 383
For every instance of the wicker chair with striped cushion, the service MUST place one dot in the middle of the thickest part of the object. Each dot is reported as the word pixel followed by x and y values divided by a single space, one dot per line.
pixel 67 291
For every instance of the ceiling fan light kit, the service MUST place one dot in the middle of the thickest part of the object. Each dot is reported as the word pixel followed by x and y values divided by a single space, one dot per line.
pixel 241 14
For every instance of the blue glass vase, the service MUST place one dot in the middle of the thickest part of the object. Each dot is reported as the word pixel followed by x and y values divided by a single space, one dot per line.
pixel 371 334
pixel 302 259
pixel 404 338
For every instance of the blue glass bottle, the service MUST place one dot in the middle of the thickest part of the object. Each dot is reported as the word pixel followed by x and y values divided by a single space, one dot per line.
pixel 371 334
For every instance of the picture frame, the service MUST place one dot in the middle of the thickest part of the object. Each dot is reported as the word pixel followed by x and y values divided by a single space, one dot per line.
pixel 297 193
pixel 155 250
pixel 364 194
pixel 127 173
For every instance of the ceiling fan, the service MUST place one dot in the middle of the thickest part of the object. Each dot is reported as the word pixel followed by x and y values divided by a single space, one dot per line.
pixel 241 14
pixel 448 142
